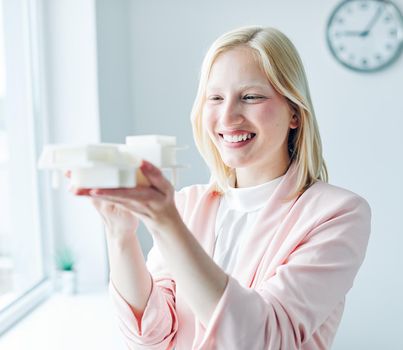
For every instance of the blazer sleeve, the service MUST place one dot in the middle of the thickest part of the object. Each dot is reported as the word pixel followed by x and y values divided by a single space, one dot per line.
pixel 158 325
pixel 287 308
pixel 157 328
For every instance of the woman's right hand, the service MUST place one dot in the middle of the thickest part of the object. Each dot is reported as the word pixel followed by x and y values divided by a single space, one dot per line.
pixel 118 220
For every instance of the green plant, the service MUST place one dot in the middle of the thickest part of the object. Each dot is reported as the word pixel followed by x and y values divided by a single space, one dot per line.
pixel 65 259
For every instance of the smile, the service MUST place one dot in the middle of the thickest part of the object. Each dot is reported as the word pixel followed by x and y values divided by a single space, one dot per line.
pixel 238 140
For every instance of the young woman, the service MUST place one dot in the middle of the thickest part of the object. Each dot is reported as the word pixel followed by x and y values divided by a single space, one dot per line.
pixel 261 257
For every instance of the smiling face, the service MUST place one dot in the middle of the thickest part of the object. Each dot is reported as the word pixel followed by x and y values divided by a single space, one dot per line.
pixel 246 118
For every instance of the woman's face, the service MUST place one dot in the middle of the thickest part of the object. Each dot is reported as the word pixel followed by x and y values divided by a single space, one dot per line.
pixel 247 120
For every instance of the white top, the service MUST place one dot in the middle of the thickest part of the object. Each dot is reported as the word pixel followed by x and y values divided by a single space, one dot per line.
pixel 237 214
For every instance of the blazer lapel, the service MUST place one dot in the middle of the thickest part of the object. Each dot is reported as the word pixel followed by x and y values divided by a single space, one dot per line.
pixel 202 222
pixel 265 230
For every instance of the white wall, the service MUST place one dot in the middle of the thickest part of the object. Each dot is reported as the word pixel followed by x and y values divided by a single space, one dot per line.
pixel 359 116
pixel 73 109
pixel 114 69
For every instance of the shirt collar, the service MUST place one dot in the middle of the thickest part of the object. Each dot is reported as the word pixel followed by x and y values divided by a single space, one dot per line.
pixel 249 199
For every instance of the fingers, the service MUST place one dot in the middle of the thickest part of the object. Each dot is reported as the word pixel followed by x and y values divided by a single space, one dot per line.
pixel 97 203
pixel 116 203
pixel 152 174
pixel 80 191
pixel 143 194
pixel 155 176
pixel 75 190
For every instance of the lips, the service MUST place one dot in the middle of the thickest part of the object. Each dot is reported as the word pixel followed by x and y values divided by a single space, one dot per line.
pixel 236 136
pixel 236 139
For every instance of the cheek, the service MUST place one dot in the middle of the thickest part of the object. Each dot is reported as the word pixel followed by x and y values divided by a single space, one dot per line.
pixel 274 118
pixel 208 120
pixel 208 125
pixel 265 117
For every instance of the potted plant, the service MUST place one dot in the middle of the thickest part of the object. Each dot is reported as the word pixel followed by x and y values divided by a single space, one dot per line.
pixel 66 276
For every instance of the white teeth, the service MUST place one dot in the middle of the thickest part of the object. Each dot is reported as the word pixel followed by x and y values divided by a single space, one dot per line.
pixel 236 138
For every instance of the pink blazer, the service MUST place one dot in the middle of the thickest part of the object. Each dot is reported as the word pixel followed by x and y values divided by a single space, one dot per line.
pixel 288 290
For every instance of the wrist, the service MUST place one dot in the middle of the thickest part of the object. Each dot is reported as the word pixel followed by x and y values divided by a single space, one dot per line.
pixel 171 227
pixel 118 234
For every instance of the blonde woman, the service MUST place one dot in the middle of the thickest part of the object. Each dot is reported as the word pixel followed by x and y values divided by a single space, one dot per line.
pixel 261 257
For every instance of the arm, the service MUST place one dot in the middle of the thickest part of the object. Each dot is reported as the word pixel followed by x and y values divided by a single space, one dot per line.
pixel 128 271
pixel 138 299
pixel 202 281
pixel 152 325
pixel 127 266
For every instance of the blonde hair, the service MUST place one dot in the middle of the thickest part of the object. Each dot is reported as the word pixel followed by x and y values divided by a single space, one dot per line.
pixel 280 61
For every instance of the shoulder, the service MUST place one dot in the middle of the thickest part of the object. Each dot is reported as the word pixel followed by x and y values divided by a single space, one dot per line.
pixel 332 214
pixel 323 191
pixel 327 199
pixel 192 192
pixel 188 197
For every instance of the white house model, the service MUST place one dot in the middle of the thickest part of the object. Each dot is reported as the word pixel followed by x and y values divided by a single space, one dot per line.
pixel 106 165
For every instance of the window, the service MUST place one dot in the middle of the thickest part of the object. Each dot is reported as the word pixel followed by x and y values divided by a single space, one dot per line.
pixel 24 275
pixel 5 258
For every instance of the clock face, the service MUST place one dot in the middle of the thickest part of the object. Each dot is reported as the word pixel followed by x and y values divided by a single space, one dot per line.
pixel 365 35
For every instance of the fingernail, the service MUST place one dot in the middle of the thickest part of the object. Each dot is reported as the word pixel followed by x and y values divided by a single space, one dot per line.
pixel 146 166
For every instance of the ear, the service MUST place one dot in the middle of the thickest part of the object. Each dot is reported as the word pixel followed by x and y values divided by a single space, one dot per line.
pixel 294 122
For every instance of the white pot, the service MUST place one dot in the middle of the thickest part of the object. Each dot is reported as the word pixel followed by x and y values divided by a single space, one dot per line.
pixel 67 281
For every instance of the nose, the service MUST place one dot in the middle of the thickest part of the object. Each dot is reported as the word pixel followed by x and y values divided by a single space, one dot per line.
pixel 231 113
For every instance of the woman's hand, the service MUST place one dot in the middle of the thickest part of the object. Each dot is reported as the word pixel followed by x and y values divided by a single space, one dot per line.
pixel 153 204
pixel 118 220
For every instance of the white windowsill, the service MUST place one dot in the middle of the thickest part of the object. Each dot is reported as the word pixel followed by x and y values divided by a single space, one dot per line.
pixel 84 321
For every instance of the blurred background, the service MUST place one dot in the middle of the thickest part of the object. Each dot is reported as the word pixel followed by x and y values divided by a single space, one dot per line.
pixel 83 71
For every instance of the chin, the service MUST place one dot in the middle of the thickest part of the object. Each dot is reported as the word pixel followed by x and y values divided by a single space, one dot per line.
pixel 236 163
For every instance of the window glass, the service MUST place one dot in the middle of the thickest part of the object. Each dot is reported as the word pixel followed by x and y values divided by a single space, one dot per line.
pixel 21 254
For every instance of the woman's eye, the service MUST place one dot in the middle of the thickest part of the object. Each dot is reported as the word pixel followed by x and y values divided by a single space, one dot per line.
pixel 252 97
pixel 215 98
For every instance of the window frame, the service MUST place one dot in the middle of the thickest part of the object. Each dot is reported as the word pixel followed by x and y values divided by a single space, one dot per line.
pixel 29 42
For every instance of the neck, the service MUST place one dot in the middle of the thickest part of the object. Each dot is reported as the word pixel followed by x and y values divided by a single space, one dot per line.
pixel 251 176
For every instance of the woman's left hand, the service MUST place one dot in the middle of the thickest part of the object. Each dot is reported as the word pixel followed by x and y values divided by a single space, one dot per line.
pixel 154 204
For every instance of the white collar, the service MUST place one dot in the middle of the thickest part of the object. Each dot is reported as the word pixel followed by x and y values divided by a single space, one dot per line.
pixel 249 199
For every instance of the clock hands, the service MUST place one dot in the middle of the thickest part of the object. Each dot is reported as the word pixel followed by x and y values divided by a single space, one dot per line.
pixel 352 33
pixel 373 21
pixel 367 30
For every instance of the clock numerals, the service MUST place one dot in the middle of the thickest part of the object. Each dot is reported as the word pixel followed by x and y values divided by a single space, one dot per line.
pixel 365 35
pixel 363 5
pixel 393 32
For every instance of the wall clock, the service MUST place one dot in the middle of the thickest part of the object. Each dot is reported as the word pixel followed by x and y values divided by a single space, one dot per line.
pixel 365 35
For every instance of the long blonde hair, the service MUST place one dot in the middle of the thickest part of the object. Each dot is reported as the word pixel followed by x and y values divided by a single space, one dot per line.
pixel 280 61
